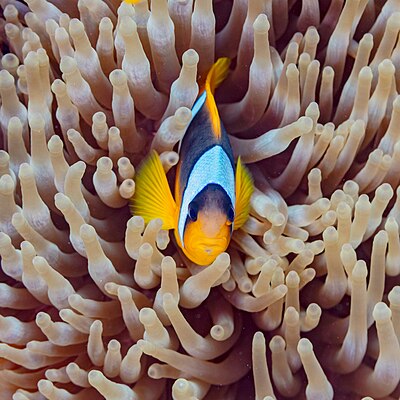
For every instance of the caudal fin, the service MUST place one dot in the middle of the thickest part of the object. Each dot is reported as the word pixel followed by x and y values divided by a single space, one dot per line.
pixel 215 77
pixel 217 74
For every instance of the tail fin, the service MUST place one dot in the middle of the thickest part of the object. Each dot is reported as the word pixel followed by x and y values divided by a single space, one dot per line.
pixel 217 74
pixel 215 77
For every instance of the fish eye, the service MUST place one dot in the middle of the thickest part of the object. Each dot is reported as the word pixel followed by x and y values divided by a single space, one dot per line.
pixel 231 214
pixel 193 211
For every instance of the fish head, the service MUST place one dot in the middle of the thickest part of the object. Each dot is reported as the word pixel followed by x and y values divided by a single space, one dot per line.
pixel 208 228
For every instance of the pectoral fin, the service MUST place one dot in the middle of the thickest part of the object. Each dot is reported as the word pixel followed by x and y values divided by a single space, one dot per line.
pixel 153 198
pixel 244 190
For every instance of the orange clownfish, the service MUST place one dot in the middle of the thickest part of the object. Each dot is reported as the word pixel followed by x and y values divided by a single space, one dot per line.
pixel 211 198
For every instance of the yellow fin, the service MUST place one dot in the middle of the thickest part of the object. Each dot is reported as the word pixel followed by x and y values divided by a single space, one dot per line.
pixel 215 77
pixel 244 190
pixel 132 1
pixel 153 198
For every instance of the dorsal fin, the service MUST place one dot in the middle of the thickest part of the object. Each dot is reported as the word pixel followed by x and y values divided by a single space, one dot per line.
pixel 215 77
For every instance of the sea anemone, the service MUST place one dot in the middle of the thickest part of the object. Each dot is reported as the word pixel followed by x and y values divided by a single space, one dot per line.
pixel 306 300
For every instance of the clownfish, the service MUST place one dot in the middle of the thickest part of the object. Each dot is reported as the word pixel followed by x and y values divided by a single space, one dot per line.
pixel 212 197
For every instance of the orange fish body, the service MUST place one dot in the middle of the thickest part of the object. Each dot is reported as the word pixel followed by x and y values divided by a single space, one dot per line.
pixel 211 198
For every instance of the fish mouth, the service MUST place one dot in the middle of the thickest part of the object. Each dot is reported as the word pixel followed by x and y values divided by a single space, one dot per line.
pixel 215 246
pixel 213 243
pixel 208 251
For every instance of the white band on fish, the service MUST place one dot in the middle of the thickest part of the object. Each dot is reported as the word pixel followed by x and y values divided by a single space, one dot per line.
pixel 213 167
